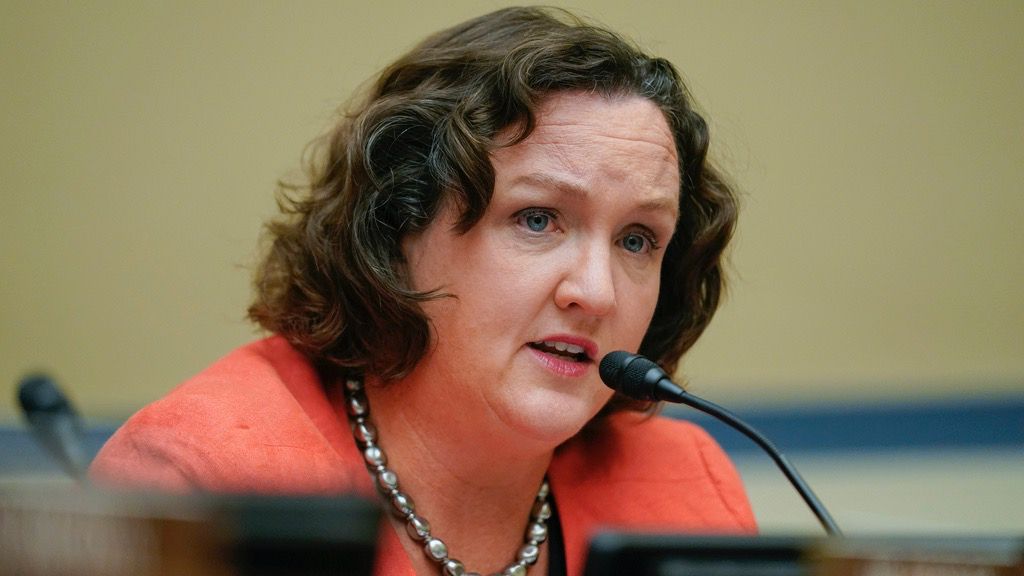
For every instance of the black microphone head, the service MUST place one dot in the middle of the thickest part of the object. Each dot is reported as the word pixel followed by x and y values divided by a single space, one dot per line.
pixel 39 394
pixel 631 374
pixel 611 368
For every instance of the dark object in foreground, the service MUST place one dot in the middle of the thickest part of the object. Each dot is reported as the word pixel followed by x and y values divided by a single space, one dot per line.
pixel 54 422
pixel 91 533
pixel 613 554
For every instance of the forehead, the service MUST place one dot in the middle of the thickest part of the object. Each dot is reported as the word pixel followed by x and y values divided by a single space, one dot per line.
pixel 628 119
pixel 603 144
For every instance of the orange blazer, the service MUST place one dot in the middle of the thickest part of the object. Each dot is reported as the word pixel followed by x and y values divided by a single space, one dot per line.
pixel 259 420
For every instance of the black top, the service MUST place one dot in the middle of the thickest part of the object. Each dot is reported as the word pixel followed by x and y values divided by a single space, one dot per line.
pixel 556 548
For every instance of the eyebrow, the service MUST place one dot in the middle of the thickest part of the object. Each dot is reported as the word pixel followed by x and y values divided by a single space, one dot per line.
pixel 572 189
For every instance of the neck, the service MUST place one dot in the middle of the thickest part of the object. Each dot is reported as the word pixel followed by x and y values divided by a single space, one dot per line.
pixel 473 480
pixel 458 436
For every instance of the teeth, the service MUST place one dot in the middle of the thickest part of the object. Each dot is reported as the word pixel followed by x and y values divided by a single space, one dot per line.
pixel 563 347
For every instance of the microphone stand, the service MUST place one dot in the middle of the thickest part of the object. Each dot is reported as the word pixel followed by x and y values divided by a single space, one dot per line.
pixel 769 447
pixel 639 377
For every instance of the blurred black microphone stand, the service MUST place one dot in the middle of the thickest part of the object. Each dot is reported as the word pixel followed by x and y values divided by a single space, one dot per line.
pixel 54 423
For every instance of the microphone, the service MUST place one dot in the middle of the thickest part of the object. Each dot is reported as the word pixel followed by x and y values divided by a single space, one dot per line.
pixel 54 422
pixel 642 379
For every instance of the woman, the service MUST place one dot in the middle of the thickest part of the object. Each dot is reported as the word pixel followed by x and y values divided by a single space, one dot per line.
pixel 516 197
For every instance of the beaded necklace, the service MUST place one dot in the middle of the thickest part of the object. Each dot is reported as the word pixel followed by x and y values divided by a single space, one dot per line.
pixel 401 504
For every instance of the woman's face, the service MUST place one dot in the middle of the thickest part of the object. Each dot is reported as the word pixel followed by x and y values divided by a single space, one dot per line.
pixel 563 267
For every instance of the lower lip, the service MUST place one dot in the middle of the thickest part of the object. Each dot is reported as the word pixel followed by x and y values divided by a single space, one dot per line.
pixel 560 365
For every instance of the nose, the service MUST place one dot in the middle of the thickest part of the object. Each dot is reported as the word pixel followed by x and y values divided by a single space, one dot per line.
pixel 588 283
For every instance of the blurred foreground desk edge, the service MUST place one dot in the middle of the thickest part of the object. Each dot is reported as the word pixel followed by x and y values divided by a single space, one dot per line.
pixel 685 555
pixel 84 532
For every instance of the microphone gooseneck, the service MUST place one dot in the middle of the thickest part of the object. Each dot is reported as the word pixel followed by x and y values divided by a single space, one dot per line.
pixel 642 379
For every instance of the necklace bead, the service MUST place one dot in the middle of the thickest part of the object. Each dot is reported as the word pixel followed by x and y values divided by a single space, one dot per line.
pixel 436 549
pixel 403 504
pixel 374 456
pixel 515 570
pixel 365 432
pixel 418 528
pixel 453 568
pixel 529 554
pixel 366 436
pixel 357 405
pixel 387 481
pixel 538 532
pixel 541 510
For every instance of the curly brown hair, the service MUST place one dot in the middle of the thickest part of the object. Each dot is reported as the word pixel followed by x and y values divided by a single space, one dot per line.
pixel 333 282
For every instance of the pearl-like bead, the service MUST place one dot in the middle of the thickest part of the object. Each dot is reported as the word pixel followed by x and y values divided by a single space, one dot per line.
pixel 387 481
pixel 436 549
pixel 357 405
pixel 403 504
pixel 516 569
pixel 374 456
pixel 545 489
pixel 541 511
pixel 538 532
pixel 417 527
pixel 453 567
pixel 529 554
pixel 365 432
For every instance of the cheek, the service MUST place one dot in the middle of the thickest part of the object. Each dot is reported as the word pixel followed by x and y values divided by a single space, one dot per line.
pixel 503 274
pixel 486 287
pixel 504 293
pixel 639 309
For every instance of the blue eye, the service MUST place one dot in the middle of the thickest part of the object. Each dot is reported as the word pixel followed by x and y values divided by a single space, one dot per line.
pixel 536 221
pixel 637 243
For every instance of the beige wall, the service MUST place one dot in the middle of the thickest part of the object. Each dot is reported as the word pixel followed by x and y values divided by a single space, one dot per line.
pixel 880 147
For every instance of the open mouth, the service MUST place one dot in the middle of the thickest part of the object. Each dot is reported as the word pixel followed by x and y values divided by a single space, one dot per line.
pixel 568 351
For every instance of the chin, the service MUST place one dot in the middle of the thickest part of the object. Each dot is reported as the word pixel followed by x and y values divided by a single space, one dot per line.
pixel 551 420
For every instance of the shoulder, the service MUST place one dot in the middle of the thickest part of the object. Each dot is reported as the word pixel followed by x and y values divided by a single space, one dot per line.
pixel 659 447
pixel 667 473
pixel 256 420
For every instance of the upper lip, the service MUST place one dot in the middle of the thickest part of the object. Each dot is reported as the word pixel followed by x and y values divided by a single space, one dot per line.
pixel 589 346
